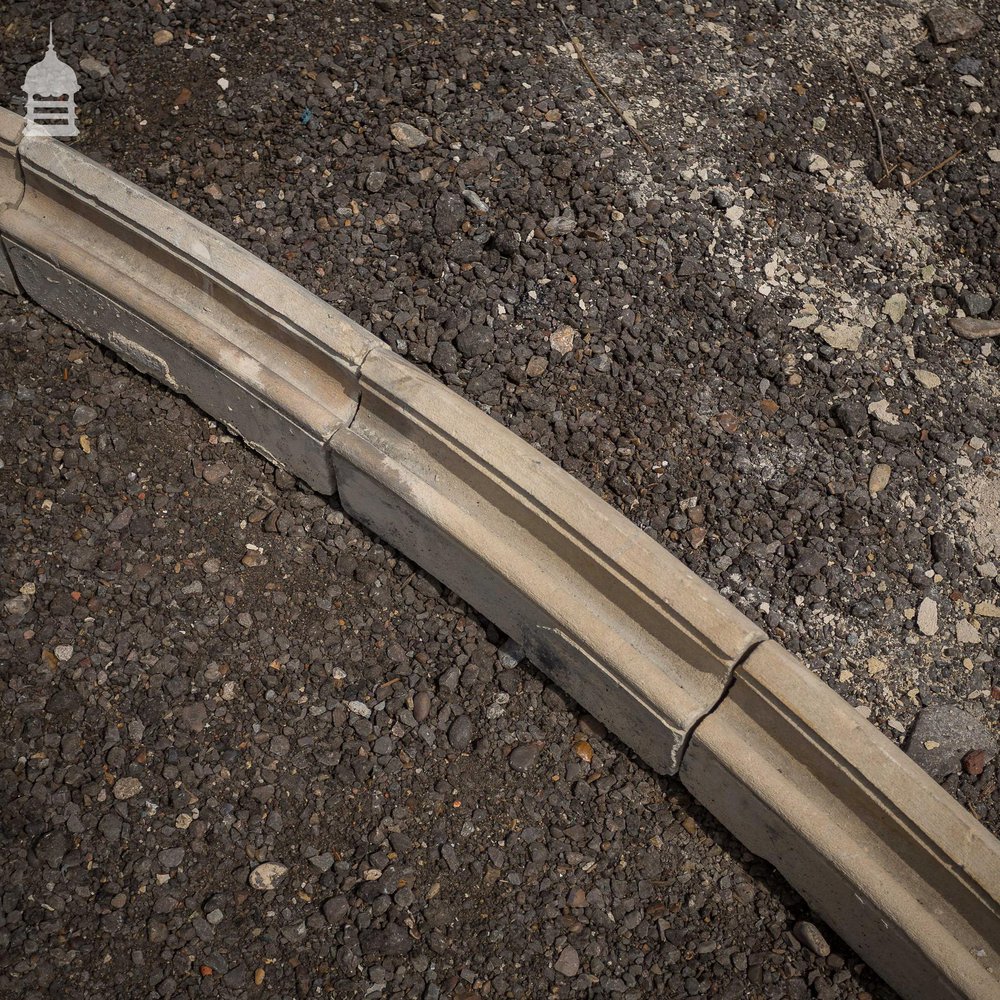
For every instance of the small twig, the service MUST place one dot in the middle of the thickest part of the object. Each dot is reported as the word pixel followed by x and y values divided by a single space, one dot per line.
pixel 937 166
pixel 871 111
pixel 885 177
pixel 597 83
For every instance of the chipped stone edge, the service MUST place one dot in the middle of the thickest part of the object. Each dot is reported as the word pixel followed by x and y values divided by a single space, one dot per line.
pixel 884 854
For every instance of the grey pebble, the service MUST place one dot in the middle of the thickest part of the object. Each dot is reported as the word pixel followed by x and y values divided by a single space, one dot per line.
pixel 560 225
pixel 852 416
pixel 568 962
pixel 523 758
pixel 336 909
pixel 193 717
pixel 449 213
pixel 84 415
pixel 475 201
pixel 121 520
pixel 94 67
pixel 171 857
pixel 393 939
pixel 408 136
pixel 460 733
pixel 951 23
pixel 215 473
pixel 976 303
pixel 52 847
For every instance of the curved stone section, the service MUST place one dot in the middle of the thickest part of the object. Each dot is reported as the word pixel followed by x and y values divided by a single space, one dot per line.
pixel 278 365
pixel 624 627
pixel 893 863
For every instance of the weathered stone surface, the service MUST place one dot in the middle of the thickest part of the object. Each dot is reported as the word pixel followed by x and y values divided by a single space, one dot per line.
pixel 927 616
pixel 267 876
pixel 879 478
pixel 408 136
pixel 126 788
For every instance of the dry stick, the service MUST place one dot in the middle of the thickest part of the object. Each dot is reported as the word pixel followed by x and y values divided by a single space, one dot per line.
pixel 937 166
pixel 597 83
pixel 885 177
pixel 871 111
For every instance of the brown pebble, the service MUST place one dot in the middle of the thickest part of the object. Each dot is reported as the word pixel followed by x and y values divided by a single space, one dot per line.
pixel 421 705
pixel 975 329
pixel 809 935
pixel 536 366
pixel 728 421
pixel 215 473
pixel 258 976
pixel 690 825
pixel 974 762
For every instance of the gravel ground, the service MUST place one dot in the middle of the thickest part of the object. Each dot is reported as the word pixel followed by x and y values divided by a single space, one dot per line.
pixel 243 742
pixel 741 340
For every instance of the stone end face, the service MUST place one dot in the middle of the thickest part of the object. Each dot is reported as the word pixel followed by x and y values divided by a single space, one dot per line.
pixel 888 858
pixel 11 185
pixel 11 129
